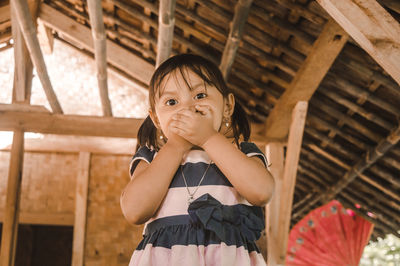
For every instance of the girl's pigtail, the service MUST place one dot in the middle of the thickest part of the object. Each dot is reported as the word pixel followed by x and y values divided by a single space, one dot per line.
pixel 240 124
pixel 147 134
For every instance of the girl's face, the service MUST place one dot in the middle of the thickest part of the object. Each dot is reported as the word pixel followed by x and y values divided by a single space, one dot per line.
pixel 175 96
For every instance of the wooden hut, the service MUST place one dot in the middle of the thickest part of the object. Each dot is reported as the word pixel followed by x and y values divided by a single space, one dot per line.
pixel 318 79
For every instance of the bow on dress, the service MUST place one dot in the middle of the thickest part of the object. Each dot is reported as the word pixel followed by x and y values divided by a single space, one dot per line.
pixel 223 220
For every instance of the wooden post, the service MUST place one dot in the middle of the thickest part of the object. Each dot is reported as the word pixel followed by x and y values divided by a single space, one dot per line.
pixel 166 23
pixel 81 197
pixel 99 41
pixel 11 211
pixel 275 156
pixel 289 180
pixel 235 35
pixel 29 31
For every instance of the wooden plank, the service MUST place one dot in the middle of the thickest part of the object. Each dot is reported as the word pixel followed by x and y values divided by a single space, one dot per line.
pixel 275 154
pixel 28 29
pixel 49 123
pixel 76 144
pixel 61 219
pixel 119 57
pixel 11 211
pixel 23 107
pixel 100 53
pixel 81 198
pixel 372 27
pixel 322 55
pixel 166 24
pixel 289 175
pixel 242 9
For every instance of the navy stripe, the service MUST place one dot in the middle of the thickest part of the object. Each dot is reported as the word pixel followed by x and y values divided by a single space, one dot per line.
pixel 177 230
pixel 193 173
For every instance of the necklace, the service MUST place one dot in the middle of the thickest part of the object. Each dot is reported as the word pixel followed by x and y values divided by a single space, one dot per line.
pixel 191 194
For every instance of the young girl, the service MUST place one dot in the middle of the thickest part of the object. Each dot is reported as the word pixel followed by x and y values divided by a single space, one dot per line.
pixel 195 181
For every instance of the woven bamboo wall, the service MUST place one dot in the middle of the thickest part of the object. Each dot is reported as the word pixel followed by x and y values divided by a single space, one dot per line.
pixel 48 189
pixel 110 240
pixel 48 182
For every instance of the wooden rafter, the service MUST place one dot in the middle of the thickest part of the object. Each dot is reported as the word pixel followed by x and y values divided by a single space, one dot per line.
pixel 372 27
pixel 322 55
pixel 166 24
pixel 235 35
pixel 119 57
pixel 366 161
pixel 100 53
pixel 28 29
pixel 11 211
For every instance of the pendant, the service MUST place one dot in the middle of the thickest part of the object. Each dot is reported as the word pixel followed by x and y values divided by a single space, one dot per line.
pixel 190 199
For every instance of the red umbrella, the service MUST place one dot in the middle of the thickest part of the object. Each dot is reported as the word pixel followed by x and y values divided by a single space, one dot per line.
pixel 328 235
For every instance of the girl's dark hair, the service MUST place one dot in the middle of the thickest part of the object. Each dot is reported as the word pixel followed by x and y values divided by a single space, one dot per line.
pixel 210 74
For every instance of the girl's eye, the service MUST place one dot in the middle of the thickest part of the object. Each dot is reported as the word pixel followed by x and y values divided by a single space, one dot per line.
pixel 200 95
pixel 171 102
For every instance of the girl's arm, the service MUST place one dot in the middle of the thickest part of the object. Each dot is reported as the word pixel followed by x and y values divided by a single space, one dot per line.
pixel 247 174
pixel 144 193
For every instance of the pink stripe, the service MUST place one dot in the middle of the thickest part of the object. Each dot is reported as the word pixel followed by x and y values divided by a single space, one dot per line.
pixel 211 255
pixel 175 203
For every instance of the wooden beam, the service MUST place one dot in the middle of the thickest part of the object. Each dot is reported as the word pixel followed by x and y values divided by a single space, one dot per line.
pixel 289 176
pixel 99 41
pixel 28 29
pixel 372 27
pixel 81 200
pixel 11 211
pixel 242 9
pixel 275 153
pixel 166 24
pixel 322 55
pixel 76 144
pixel 23 68
pixel 62 219
pixel 48 123
pixel 119 57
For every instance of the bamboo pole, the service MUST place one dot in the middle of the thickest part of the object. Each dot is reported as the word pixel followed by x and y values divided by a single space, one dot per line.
pixel 23 68
pixel 11 211
pixel 25 21
pixel 166 24
pixel 100 53
pixel 242 9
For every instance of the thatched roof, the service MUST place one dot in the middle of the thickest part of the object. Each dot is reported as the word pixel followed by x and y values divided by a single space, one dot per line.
pixel 350 147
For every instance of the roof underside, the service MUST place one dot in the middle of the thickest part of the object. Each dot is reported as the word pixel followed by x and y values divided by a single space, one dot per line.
pixel 355 108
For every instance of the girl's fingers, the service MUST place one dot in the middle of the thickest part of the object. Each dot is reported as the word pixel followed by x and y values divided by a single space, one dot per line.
pixel 203 109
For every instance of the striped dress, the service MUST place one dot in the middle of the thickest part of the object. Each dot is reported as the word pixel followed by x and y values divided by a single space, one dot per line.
pixel 218 228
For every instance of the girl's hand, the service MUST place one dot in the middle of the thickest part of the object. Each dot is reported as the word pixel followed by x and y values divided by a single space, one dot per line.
pixel 196 126
pixel 178 142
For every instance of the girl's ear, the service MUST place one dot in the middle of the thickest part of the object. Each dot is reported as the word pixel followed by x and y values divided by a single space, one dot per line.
pixel 154 118
pixel 229 105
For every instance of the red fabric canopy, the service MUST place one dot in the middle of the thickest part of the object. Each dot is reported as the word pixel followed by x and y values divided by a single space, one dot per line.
pixel 329 235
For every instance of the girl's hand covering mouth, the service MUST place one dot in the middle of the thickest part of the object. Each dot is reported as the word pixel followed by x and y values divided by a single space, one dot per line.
pixel 196 125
